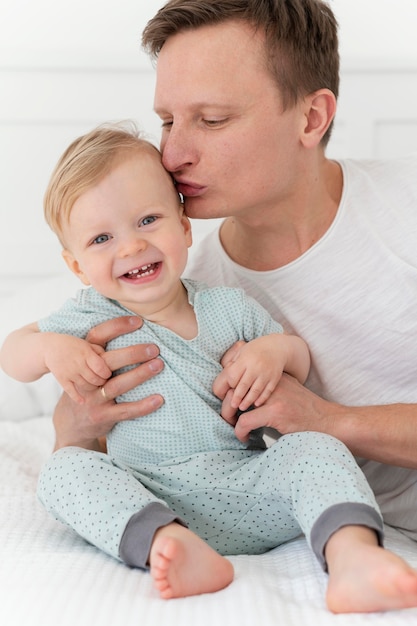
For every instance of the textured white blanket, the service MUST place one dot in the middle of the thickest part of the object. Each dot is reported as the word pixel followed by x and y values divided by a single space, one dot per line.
pixel 49 576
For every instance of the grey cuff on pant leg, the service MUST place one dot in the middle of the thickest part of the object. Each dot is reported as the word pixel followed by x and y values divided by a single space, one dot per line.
pixel 138 535
pixel 339 515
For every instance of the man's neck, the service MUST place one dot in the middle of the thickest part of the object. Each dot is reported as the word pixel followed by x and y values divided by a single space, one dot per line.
pixel 289 232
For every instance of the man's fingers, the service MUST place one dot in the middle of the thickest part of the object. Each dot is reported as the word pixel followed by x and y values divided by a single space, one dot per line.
pixel 228 413
pixel 221 386
pixel 131 355
pixel 122 383
pixel 130 410
pixel 111 329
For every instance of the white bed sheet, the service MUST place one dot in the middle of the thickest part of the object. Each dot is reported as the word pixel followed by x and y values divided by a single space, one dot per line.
pixel 49 576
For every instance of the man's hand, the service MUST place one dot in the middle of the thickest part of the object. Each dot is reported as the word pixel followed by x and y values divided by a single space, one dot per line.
pixel 290 408
pixel 85 425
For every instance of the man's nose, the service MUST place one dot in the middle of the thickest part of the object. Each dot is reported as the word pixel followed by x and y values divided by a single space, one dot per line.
pixel 178 149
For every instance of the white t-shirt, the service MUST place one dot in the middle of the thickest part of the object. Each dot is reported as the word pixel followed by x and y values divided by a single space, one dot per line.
pixel 353 298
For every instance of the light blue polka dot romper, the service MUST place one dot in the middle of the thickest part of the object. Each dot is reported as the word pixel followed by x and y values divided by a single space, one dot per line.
pixel 184 462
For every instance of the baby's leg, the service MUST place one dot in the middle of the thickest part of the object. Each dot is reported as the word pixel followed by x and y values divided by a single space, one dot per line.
pixel 182 564
pixel 337 512
pixel 103 503
pixel 364 577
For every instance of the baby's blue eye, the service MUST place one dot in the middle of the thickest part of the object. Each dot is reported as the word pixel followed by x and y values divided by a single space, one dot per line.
pixel 148 220
pixel 101 239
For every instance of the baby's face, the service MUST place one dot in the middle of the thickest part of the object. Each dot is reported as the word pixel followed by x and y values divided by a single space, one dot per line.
pixel 127 236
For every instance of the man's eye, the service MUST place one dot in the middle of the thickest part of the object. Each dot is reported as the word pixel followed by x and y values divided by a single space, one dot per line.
pixel 101 239
pixel 214 123
pixel 150 219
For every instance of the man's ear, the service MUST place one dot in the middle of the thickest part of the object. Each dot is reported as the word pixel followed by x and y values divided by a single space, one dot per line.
pixel 74 266
pixel 319 112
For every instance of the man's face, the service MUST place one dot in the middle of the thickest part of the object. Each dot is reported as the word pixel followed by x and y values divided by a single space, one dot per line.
pixel 225 137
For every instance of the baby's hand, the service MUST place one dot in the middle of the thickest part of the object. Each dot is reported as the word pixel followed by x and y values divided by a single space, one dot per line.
pixel 252 371
pixel 74 362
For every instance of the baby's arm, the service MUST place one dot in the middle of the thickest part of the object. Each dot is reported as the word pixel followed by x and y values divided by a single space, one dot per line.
pixel 27 354
pixel 254 369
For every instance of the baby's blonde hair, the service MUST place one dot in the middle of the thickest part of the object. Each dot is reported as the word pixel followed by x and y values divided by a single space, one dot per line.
pixel 85 163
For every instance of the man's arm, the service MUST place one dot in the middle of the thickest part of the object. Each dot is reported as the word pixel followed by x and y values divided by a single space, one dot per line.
pixel 87 425
pixel 386 433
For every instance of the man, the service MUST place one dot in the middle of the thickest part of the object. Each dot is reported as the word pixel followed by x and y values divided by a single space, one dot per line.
pixel 246 91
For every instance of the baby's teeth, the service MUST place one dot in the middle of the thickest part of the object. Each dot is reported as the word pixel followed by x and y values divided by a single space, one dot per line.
pixel 144 268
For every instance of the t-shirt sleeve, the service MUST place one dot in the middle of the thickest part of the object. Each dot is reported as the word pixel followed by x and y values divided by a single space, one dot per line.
pixel 68 320
pixel 256 320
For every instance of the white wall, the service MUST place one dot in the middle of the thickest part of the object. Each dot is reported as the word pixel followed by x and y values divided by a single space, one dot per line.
pixel 86 32
pixel 97 31
pixel 377 30
pixel 67 66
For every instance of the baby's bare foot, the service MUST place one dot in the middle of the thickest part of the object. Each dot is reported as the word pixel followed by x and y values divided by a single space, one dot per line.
pixel 365 578
pixel 183 565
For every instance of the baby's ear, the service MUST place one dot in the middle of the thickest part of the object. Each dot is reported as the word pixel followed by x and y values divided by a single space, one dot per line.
pixel 74 266
pixel 186 225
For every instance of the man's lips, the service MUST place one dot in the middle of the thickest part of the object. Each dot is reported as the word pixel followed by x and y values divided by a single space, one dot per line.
pixel 189 189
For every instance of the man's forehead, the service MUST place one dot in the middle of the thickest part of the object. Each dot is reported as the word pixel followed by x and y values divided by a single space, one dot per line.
pixel 192 65
pixel 205 45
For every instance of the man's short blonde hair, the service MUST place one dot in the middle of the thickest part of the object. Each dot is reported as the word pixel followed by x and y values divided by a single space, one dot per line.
pixel 85 163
